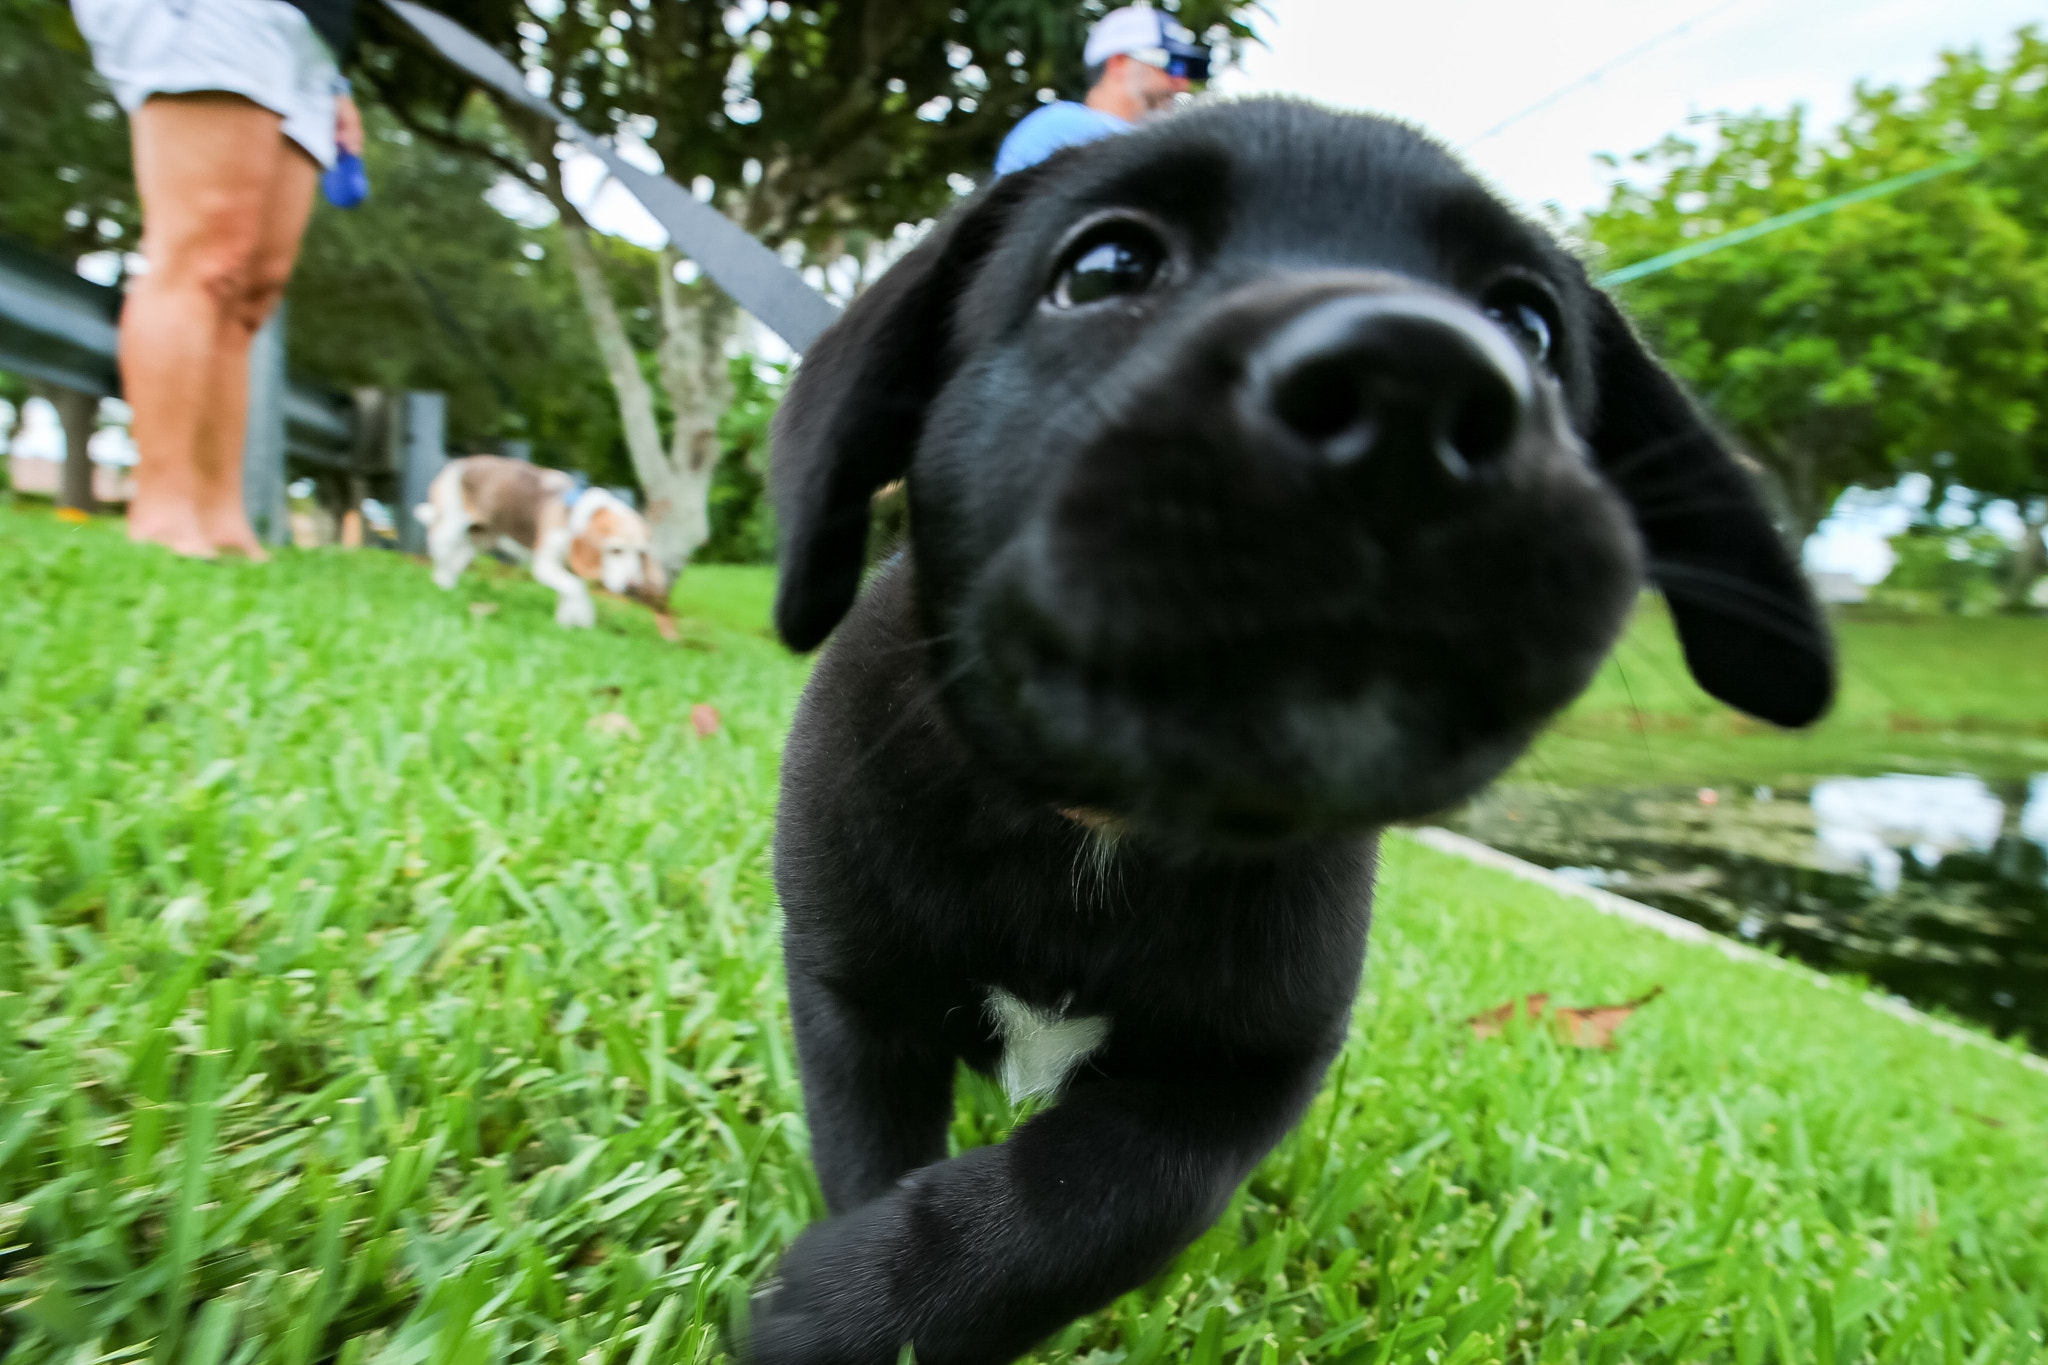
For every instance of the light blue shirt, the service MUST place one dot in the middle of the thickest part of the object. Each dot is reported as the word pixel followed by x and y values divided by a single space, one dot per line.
pixel 1051 127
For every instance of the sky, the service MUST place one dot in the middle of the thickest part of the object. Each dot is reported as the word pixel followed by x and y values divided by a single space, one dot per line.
pixel 1460 67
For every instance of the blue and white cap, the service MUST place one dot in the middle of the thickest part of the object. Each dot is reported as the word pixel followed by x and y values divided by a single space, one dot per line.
pixel 1151 36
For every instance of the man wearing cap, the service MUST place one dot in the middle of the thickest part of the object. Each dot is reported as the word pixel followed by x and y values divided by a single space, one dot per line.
pixel 1138 60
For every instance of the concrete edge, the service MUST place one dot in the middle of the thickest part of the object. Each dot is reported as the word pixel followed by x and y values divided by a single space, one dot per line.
pixel 1671 926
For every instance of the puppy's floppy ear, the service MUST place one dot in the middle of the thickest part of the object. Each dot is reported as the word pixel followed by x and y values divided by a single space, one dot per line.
pixel 1746 619
pixel 584 559
pixel 852 419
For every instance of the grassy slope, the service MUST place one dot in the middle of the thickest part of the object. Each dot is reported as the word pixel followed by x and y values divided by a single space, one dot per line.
pixel 1919 694
pixel 364 1001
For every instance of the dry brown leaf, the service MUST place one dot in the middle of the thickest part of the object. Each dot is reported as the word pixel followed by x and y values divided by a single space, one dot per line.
pixel 1491 1023
pixel 704 719
pixel 666 625
pixel 1590 1026
pixel 616 724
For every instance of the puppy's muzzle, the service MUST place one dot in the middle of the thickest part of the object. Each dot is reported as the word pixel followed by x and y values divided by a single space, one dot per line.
pixel 1417 394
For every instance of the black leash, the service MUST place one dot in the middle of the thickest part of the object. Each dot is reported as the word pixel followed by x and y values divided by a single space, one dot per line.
pixel 733 258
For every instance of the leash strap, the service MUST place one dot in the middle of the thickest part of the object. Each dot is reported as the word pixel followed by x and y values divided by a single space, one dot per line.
pixel 733 258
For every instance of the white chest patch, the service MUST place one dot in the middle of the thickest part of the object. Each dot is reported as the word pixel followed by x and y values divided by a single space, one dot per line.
pixel 1041 1047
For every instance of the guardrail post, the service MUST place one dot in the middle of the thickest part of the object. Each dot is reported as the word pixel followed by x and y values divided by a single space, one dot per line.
pixel 78 413
pixel 263 480
pixel 422 451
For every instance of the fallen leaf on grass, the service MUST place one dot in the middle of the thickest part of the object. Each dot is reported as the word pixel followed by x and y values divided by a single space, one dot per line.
pixel 614 723
pixel 704 719
pixel 482 609
pixel 1490 1023
pixel 1591 1026
pixel 74 515
pixel 666 625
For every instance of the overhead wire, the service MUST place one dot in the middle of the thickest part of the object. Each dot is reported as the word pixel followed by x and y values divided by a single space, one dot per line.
pixel 1694 251
pixel 1593 76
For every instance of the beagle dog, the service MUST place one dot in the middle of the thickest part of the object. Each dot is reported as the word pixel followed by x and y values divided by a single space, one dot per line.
pixel 569 534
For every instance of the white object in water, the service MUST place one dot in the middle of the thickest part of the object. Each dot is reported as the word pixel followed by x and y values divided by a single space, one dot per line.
pixel 1862 823
pixel 1042 1047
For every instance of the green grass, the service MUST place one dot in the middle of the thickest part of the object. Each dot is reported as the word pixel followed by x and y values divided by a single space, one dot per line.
pixel 364 1002
pixel 1919 694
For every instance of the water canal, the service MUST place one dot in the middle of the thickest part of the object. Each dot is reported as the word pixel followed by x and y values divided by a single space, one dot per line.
pixel 1934 888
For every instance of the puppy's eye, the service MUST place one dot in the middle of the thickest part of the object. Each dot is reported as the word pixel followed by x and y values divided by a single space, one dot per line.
pixel 1528 327
pixel 1120 259
pixel 1524 313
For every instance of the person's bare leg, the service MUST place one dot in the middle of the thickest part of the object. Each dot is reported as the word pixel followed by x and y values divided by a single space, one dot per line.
pixel 225 427
pixel 204 168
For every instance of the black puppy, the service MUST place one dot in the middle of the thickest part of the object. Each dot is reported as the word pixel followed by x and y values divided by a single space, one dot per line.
pixel 1269 481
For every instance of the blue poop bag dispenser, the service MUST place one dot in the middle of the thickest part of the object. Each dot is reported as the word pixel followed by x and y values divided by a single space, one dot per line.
pixel 346 183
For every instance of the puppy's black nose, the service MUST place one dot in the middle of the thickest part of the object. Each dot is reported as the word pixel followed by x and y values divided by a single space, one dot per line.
pixel 1405 379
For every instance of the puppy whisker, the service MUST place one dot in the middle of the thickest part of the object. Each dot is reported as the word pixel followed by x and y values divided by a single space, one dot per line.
pixel 1098 869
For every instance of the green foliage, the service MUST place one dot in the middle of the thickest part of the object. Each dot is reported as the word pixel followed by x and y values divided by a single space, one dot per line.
pixel 63 140
pixel 1865 342
pixel 826 123
pixel 374 993
pixel 427 286
pixel 742 519
pixel 1946 570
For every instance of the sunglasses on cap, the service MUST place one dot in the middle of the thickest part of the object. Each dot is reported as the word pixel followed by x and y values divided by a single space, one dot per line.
pixel 1190 65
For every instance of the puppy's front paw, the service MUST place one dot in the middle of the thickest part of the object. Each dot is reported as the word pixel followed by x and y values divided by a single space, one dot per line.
pixel 575 613
pixel 830 1301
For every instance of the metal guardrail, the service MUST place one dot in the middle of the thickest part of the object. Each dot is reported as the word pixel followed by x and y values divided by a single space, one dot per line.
pixel 64 330
pixel 55 326
pixel 320 427
pixel 60 328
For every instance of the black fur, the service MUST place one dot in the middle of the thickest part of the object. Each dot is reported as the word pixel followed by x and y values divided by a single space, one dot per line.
pixel 1114 735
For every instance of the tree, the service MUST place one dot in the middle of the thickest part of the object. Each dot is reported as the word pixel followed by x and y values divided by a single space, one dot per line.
pixel 63 142
pixel 1863 343
pixel 823 127
pixel 428 286
pixel 425 286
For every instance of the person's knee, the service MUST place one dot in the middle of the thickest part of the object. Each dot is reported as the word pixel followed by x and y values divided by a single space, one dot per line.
pixel 259 291
pixel 210 246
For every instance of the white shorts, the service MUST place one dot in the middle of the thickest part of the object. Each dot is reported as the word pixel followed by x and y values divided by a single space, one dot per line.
pixel 263 50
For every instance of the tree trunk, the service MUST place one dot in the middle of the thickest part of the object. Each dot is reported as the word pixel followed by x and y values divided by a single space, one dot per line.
pixel 1802 492
pixel 695 325
pixel 78 414
pixel 2030 561
pixel 622 367
pixel 694 378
